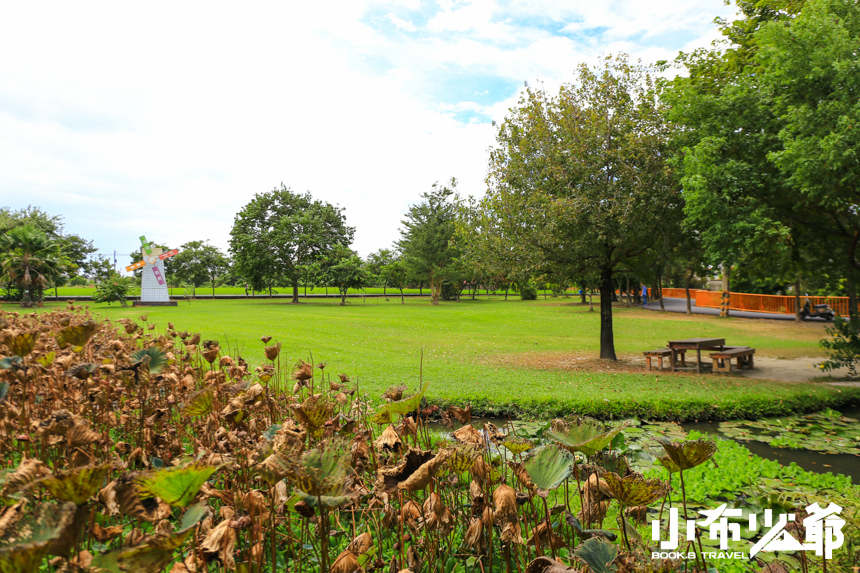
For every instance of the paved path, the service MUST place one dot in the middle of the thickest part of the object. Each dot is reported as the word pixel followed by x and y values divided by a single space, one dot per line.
pixel 680 305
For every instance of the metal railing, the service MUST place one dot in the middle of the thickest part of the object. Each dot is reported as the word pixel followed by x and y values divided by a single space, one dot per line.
pixel 775 304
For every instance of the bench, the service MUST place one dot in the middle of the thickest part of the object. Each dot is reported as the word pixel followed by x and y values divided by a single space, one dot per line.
pixel 723 358
pixel 659 354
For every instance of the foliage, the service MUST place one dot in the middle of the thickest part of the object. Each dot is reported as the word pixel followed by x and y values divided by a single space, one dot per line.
pixel 843 346
pixel 198 262
pixel 579 180
pixel 426 235
pixel 30 259
pixel 395 274
pixel 111 290
pixel 343 269
pixel 279 232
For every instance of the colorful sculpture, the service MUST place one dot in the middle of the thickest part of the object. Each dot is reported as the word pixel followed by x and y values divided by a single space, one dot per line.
pixel 153 287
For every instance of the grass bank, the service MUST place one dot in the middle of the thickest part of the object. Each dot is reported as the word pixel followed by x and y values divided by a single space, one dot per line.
pixel 514 358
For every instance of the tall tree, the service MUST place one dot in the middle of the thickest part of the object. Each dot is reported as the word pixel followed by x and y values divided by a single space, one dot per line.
pixel 580 180
pixel 426 234
pixel 278 232
pixel 396 274
pixel 198 262
pixel 809 72
pixel 376 262
pixel 343 269
pixel 30 259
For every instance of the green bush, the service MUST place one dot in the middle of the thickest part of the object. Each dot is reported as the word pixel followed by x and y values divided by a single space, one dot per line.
pixel 843 347
pixel 450 291
pixel 78 280
pixel 528 291
pixel 111 290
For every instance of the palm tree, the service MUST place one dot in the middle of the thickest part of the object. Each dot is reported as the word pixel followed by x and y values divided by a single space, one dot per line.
pixel 29 258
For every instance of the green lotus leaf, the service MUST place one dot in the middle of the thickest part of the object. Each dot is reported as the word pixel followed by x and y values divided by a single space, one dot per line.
pixel 401 407
pixel 22 343
pixel 585 435
pixel 176 486
pixel 11 362
pixel 171 541
pixel 634 490
pixel 47 359
pixel 598 554
pixel 4 390
pixel 612 462
pixel 77 336
pixel 77 485
pixel 199 403
pixel 518 445
pixel 157 359
pixel 24 545
pixel 689 454
pixel 326 501
pixel 549 466
pixel 143 559
pixel 667 463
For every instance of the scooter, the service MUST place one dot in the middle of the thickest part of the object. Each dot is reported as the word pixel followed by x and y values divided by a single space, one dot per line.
pixel 818 311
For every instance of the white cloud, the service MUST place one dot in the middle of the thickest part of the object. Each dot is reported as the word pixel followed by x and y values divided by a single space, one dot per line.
pixel 166 119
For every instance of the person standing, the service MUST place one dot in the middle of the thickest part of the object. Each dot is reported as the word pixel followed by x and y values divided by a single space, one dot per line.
pixel 644 296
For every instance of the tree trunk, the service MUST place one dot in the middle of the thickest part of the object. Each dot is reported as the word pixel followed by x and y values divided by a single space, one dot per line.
pixel 797 316
pixel 420 289
pixel 213 289
pixel 295 291
pixel 687 290
pixel 628 291
pixel 434 289
pixel 582 296
pixel 343 297
pixel 402 300
pixel 507 288
pixel 296 287
pixel 727 276
pixel 607 340
pixel 590 300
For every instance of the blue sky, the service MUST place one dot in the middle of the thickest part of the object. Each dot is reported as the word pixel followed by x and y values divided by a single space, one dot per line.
pixel 164 119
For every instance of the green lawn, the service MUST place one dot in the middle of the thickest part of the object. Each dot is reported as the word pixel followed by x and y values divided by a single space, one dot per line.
pixel 510 357
pixel 225 290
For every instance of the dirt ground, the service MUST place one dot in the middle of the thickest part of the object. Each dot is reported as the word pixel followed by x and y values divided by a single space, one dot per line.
pixel 785 369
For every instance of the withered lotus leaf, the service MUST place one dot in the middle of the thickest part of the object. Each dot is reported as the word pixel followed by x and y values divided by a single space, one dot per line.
pixel 505 504
pixel 461 459
pixel 27 472
pixel 522 476
pixel 493 433
pixel 104 534
pixel 27 540
pixel 265 339
pixel 302 371
pixel 273 351
pixel 211 354
pixel 388 441
pixel 77 485
pixel 388 479
pixel 172 540
pixel 176 486
pixel 421 477
pixel 195 339
pixel 82 371
pixel 313 412
pixel 474 537
pixel 219 545
pixel 549 466
pixel 545 564
pixel 468 434
pixel 585 435
pixel 634 489
pixel 141 559
pixel 22 343
pixel 612 462
pixel 462 415
pixel 81 435
pixel 511 533
pixel 346 562
pixel 361 544
pixel 320 471
pixel 545 536
pixel 77 336
pixel 689 454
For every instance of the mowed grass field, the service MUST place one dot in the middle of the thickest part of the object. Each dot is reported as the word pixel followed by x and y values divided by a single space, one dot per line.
pixel 535 359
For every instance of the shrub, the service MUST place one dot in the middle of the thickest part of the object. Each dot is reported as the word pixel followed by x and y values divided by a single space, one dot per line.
pixel 111 290
pixel 450 291
pixel 843 347
pixel 528 291
pixel 78 280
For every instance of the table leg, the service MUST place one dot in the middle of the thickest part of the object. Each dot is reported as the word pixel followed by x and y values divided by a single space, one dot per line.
pixel 698 361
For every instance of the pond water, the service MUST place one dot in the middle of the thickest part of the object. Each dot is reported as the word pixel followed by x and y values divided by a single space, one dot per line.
pixel 810 460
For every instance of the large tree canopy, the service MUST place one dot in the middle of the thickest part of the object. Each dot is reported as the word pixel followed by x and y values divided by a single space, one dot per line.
pixel 198 262
pixel 279 232
pixel 580 180
pixel 30 259
pixel 426 234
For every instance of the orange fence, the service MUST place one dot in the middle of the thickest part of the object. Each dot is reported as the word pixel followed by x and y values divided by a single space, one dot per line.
pixel 757 302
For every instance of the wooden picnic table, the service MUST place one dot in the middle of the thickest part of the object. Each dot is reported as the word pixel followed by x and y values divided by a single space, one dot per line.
pixel 697 344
